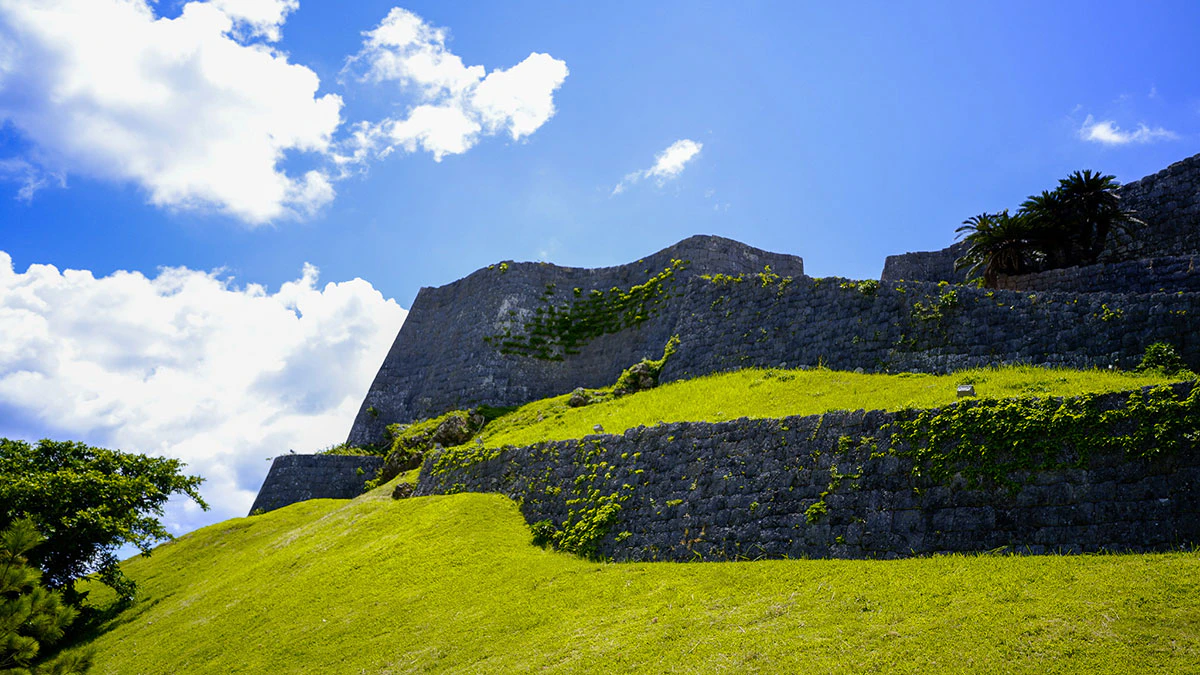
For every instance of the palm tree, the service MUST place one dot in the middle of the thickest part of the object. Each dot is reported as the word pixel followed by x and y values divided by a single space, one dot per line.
pixel 1058 228
pixel 1051 227
pixel 1093 209
pixel 999 243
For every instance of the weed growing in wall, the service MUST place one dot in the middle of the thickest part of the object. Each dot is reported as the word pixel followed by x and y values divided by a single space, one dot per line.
pixel 867 287
pixel 557 330
pixel 763 279
pixel 1161 357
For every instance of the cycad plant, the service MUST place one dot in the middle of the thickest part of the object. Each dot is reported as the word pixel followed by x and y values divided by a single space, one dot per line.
pixel 999 243
pixel 1093 208
pixel 1060 228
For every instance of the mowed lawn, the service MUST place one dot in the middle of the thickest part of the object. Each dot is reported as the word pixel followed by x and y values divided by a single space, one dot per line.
pixel 767 393
pixel 452 584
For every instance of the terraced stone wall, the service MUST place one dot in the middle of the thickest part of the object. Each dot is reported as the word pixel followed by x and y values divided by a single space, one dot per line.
pixel 450 354
pixel 817 486
pixel 921 327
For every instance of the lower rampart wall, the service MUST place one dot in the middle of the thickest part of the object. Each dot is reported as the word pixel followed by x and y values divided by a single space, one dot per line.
pixel 821 486
pixel 298 478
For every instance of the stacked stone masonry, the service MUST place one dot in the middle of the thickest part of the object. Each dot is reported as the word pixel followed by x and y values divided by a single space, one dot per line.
pixel 440 360
pixel 1153 275
pixel 920 327
pixel 297 478
pixel 739 489
pixel 743 489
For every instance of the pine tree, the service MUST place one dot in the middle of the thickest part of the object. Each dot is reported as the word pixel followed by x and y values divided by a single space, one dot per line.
pixel 30 615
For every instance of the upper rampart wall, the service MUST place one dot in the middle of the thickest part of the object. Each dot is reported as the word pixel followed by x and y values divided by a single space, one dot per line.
pixel 923 327
pixel 761 321
pixel 1153 275
pixel 454 350
pixel 441 359
pixel 1168 202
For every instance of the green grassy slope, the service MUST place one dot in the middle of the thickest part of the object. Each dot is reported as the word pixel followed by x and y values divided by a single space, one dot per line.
pixel 451 584
pixel 780 393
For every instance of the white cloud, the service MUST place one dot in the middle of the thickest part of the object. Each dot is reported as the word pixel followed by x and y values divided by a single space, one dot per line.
pixel 201 111
pixel 668 164
pixel 188 108
pixel 31 178
pixel 457 104
pixel 188 365
pixel 1108 133
pixel 258 18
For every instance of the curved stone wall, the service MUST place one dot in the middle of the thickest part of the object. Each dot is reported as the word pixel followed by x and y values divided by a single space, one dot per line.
pixel 440 360
pixel 747 489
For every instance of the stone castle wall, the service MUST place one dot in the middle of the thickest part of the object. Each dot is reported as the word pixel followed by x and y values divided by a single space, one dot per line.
pixel 1168 202
pixel 805 322
pixel 298 478
pixel 1153 275
pixel 922 327
pixel 1100 315
pixel 440 360
pixel 744 489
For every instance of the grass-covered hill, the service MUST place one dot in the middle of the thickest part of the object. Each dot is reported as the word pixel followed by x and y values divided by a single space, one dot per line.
pixel 770 393
pixel 453 583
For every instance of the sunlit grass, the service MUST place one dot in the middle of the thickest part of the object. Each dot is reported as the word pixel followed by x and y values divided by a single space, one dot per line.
pixel 780 393
pixel 452 584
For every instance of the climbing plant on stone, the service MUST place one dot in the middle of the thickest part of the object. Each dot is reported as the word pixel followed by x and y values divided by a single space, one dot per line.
pixel 557 330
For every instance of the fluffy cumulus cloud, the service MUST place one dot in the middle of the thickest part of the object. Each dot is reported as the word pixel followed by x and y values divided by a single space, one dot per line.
pixel 668 164
pixel 1107 132
pixel 455 104
pixel 192 108
pixel 188 365
pixel 202 110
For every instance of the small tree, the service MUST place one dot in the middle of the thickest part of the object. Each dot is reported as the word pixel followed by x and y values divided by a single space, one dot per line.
pixel 998 243
pixel 31 617
pixel 88 502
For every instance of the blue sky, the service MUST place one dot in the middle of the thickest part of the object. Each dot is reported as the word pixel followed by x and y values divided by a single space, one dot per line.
pixel 199 166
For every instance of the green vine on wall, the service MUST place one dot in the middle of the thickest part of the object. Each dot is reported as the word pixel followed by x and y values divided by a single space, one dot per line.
pixel 988 441
pixel 764 279
pixel 592 506
pixel 557 330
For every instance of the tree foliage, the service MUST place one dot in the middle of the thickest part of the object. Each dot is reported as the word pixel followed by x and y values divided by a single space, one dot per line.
pixel 1060 228
pixel 31 616
pixel 88 502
